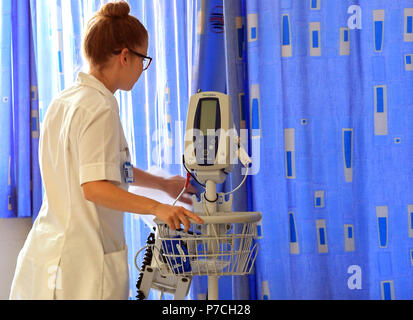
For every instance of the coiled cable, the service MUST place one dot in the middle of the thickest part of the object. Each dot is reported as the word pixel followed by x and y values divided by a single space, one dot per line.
pixel 147 260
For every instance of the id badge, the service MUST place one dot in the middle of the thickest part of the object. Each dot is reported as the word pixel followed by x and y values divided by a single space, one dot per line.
pixel 128 172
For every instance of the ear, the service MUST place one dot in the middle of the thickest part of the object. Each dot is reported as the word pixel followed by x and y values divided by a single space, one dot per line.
pixel 124 56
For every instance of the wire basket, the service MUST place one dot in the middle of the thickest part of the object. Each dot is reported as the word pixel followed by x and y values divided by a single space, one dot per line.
pixel 222 245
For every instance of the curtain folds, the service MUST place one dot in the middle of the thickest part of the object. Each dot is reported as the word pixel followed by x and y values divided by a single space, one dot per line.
pixel 321 95
pixel 328 98
pixel 19 173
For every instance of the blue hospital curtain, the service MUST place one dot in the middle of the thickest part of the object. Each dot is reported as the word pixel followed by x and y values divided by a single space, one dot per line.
pixel 325 89
pixel 183 48
pixel 186 41
pixel 20 184
pixel 57 27
pixel 322 97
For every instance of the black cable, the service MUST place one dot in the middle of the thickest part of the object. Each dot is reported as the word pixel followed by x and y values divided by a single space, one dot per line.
pixel 147 260
pixel 192 175
pixel 210 200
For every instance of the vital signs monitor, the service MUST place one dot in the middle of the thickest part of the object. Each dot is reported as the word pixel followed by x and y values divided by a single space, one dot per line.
pixel 208 132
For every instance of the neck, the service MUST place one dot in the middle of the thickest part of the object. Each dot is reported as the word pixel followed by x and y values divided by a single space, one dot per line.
pixel 101 76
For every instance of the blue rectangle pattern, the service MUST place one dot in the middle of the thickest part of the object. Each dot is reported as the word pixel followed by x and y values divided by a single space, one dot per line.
pixel 380 101
pixel 386 291
pixel 322 236
pixel 240 42
pixel 286 31
pixel 34 124
pixel 378 30
pixel 411 220
pixel 289 164
pixel 347 148
pixel 293 236
pixel 382 225
pixel 253 33
pixel 315 39
pixel 314 4
pixel 255 114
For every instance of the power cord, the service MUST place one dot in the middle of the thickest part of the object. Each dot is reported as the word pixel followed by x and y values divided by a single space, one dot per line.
pixel 192 175
pixel 147 260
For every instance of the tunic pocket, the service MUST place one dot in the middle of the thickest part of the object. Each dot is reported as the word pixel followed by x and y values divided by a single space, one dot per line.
pixel 116 276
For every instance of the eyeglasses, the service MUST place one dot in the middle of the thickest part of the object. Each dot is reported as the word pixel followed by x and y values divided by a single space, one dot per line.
pixel 146 60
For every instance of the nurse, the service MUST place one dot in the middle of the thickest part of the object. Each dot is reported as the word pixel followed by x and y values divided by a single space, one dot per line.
pixel 76 247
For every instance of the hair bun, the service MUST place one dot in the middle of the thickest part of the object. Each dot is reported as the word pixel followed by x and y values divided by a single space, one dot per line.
pixel 118 9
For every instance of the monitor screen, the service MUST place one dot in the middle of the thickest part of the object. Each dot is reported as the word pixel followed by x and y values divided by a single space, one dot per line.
pixel 208 115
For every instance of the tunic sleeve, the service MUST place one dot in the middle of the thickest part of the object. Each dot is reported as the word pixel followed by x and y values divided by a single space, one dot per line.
pixel 99 146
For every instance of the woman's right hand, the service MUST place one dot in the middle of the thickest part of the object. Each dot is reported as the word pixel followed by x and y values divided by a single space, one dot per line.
pixel 174 216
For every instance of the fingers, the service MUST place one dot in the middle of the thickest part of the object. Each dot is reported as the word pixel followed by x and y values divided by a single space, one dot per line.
pixel 185 222
pixel 176 222
pixel 193 216
pixel 175 216
pixel 171 224
pixel 182 216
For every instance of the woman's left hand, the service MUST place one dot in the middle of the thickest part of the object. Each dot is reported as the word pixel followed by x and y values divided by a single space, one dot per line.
pixel 173 187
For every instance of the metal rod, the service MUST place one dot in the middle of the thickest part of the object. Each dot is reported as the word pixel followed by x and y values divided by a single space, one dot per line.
pixel 211 193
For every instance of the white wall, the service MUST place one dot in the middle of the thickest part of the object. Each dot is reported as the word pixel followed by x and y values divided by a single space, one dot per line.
pixel 13 233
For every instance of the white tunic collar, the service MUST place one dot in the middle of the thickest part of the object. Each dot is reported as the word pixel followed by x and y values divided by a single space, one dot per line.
pixel 91 81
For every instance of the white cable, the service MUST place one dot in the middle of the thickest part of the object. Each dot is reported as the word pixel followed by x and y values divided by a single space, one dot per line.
pixel 205 207
pixel 136 256
pixel 240 185
pixel 180 195
pixel 208 214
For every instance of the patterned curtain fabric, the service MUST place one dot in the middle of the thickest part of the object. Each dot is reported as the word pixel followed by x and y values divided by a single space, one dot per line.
pixel 188 48
pixel 321 93
pixel 328 89
pixel 20 183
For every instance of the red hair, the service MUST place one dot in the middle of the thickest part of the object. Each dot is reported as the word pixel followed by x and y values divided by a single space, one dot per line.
pixel 112 28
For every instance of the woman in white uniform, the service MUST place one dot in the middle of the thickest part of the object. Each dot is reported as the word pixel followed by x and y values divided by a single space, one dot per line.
pixel 76 247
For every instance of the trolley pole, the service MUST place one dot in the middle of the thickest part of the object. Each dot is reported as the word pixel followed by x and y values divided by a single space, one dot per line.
pixel 211 194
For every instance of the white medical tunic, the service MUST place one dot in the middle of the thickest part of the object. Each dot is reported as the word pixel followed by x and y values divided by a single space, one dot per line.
pixel 76 248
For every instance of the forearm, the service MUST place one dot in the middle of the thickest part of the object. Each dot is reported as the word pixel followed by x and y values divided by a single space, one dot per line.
pixel 171 185
pixel 106 194
pixel 147 180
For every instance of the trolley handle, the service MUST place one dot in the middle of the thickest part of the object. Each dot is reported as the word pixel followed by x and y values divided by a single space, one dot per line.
pixel 225 217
